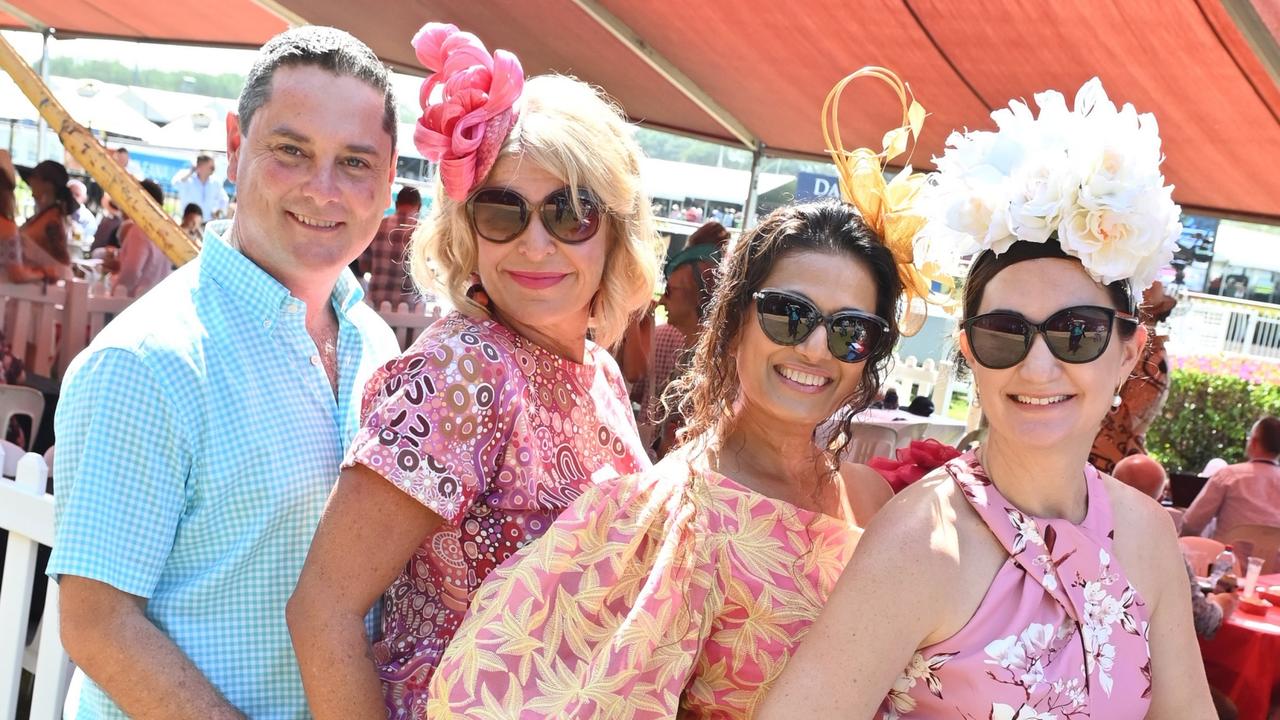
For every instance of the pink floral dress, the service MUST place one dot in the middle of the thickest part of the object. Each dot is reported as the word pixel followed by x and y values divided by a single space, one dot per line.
pixel 671 593
pixel 1060 635
pixel 497 436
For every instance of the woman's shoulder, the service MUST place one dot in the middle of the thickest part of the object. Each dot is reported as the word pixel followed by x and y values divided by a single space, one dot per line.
pixel 1144 540
pixel 925 526
pixel 866 489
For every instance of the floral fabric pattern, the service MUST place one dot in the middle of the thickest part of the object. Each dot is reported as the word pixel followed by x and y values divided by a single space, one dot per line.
pixel 671 592
pixel 1060 635
pixel 497 436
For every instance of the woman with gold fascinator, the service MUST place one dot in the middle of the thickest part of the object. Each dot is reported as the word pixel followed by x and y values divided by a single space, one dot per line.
pixel 683 590
pixel 1018 582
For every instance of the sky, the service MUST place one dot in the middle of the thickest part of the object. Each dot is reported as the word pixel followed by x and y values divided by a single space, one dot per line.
pixel 167 57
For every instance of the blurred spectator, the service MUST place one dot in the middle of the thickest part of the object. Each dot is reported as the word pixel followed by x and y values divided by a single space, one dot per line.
pixel 46 233
pixel 108 224
pixel 193 222
pixel 11 243
pixel 1246 493
pixel 651 354
pixel 386 257
pixel 888 401
pixel 196 185
pixel 84 223
pixel 140 263
pixel 920 405
pixel 121 154
pixel 1124 430
pixel 675 213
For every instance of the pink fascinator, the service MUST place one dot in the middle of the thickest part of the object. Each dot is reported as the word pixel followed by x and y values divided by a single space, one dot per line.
pixel 464 126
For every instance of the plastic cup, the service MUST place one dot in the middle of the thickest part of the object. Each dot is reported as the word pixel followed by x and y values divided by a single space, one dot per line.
pixel 1253 569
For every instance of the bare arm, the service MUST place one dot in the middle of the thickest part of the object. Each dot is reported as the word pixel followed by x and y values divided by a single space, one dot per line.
pixel 107 633
pixel 368 532
pixel 1178 685
pixel 869 630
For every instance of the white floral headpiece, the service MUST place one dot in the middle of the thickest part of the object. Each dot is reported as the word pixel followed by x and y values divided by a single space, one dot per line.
pixel 1090 176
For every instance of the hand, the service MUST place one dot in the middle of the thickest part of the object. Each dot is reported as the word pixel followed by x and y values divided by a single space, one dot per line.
pixel 110 261
pixel 1226 601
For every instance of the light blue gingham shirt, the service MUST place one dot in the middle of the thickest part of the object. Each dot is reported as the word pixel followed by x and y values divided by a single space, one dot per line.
pixel 198 439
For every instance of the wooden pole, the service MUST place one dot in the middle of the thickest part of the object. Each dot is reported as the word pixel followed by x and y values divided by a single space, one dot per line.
pixel 124 190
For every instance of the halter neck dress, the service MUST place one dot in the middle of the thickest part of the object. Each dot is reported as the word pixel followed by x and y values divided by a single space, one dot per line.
pixel 1061 633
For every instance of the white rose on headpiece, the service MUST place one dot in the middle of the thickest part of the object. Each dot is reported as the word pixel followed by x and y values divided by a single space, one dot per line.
pixel 1089 174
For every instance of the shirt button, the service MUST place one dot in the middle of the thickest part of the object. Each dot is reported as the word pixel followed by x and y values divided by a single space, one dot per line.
pixel 292 308
pixel 315 360
pixel 266 324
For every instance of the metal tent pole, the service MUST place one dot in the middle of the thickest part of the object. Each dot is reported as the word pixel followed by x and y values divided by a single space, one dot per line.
pixel 44 78
pixel 749 209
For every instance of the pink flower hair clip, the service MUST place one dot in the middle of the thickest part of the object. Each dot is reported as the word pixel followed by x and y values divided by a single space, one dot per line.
pixel 464 126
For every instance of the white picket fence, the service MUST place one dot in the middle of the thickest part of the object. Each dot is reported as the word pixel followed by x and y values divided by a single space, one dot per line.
pixel 26 511
pixel 48 325
pixel 1211 325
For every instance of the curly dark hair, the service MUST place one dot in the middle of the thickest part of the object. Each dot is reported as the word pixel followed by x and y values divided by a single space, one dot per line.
pixel 705 393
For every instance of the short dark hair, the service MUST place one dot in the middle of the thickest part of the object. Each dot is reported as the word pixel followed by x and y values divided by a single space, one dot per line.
pixel 1269 434
pixel 408 195
pixel 327 48
pixel 153 189
pixel 987 265
pixel 202 158
pixel 192 208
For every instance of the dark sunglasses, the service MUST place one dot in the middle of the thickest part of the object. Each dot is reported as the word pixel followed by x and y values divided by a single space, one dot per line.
pixel 500 215
pixel 787 319
pixel 1075 335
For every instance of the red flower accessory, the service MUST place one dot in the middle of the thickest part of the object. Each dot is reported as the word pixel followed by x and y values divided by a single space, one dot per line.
pixel 463 128
pixel 914 462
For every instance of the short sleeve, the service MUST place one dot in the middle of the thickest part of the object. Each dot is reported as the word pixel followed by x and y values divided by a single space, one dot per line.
pixel 120 473
pixel 437 421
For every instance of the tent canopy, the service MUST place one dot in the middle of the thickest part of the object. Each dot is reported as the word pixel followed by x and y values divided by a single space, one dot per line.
pixel 755 72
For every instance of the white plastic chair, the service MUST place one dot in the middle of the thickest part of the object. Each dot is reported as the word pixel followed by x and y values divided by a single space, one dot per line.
pixel 870 441
pixel 19 400
pixel 1265 540
pixel 1200 552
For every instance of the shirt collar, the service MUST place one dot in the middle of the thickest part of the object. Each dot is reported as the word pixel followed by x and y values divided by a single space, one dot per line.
pixel 260 293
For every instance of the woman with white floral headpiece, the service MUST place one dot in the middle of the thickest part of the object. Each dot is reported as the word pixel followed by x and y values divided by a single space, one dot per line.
pixel 1018 582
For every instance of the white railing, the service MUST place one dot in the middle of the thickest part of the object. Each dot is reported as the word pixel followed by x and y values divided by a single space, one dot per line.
pixel 1211 325
pixel 26 511
pixel 929 378
pixel 48 325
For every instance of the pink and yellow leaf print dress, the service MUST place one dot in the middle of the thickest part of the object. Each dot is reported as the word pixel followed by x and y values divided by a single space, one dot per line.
pixel 1060 635
pixel 498 436
pixel 668 593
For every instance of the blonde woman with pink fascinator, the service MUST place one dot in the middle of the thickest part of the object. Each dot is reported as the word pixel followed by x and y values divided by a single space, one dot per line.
pixel 509 407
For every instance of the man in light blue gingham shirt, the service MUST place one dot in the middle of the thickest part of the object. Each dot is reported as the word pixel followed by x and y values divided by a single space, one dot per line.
pixel 200 433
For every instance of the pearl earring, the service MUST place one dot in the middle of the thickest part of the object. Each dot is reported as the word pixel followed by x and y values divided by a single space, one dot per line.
pixel 1115 401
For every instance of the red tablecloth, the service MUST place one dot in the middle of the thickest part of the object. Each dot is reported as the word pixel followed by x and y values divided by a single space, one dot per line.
pixel 1243 659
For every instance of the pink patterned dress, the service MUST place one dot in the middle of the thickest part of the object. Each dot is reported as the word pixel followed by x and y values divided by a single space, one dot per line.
pixel 1060 635
pixel 497 436
pixel 669 593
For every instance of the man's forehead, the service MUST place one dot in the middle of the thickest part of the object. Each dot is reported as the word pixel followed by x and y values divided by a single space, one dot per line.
pixel 312 104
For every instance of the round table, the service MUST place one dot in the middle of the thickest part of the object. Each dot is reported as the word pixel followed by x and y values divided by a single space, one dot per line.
pixel 910 427
pixel 1243 658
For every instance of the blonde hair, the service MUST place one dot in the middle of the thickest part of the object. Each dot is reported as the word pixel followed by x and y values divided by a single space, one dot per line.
pixel 576 133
